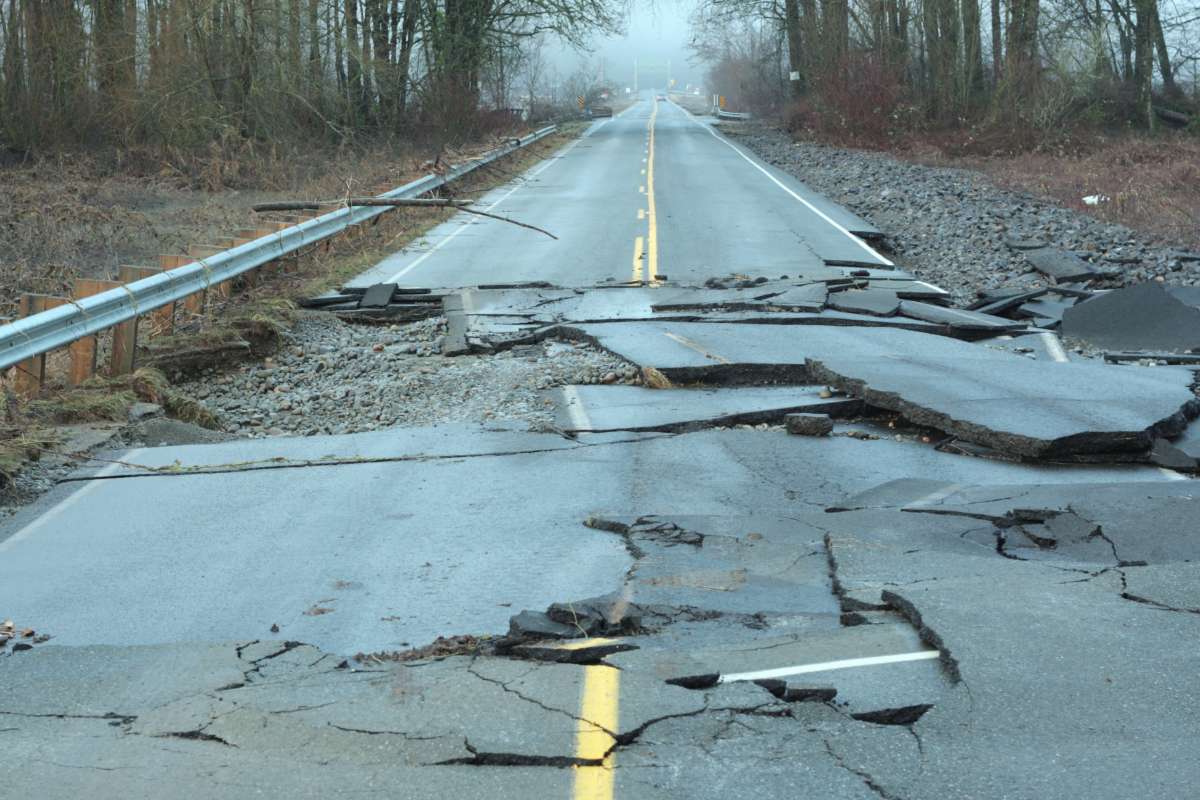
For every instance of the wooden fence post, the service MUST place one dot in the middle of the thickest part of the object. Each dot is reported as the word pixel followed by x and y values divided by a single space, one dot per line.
pixel 31 372
pixel 83 351
pixel 125 335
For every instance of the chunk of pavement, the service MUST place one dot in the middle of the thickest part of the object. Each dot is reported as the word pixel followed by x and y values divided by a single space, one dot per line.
pixel 607 615
pixel 1047 310
pixel 539 625
pixel 1002 302
pixel 585 651
pixel 958 318
pixel 1147 316
pixel 1016 405
pixel 637 408
pixel 1001 400
pixel 808 424
pixel 877 302
pixel 377 296
pixel 1062 266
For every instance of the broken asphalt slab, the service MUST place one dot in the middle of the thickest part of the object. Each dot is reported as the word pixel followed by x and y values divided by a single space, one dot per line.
pixel 1062 266
pixel 636 408
pixel 131 713
pixel 118 542
pixel 1148 316
pixel 991 398
pixel 1051 657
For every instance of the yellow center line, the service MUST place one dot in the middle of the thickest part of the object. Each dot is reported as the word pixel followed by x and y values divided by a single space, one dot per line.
pixel 683 340
pixel 594 735
pixel 637 259
pixel 651 216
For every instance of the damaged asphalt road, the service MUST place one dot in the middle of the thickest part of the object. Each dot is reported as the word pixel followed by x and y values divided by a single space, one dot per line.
pixel 836 539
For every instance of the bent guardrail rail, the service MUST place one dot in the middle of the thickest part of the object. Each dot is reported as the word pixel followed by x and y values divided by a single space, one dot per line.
pixel 58 327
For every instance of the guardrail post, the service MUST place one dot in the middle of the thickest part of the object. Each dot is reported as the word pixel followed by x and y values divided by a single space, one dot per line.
pixel 193 303
pixel 83 351
pixel 124 347
pixel 223 289
pixel 31 372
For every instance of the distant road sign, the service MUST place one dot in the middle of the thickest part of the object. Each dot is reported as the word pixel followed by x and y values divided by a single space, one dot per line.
pixel 579 100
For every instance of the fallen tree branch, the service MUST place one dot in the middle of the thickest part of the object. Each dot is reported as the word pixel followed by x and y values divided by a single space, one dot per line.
pixel 508 220
pixel 399 202
pixel 316 205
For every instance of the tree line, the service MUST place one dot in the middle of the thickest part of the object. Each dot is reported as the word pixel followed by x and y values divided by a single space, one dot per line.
pixel 1028 64
pixel 184 73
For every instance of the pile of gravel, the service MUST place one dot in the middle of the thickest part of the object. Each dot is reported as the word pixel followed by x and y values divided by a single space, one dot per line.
pixel 950 226
pixel 336 377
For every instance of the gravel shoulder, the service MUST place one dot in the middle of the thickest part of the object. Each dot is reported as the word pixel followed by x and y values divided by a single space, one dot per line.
pixel 336 377
pixel 950 226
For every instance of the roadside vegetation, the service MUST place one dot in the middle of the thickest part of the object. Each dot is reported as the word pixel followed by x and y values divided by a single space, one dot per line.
pixel 1065 99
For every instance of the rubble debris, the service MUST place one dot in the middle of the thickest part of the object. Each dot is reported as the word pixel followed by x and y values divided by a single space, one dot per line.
pixel 808 424
pixel 441 647
pixel 1062 266
pixel 21 638
pixel 1147 316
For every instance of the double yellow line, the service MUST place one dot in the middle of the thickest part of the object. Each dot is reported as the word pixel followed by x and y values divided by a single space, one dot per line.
pixel 594 736
pixel 645 251
pixel 599 706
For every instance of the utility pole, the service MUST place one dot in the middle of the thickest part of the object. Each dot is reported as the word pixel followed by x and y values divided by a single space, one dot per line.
pixel 668 86
pixel 635 75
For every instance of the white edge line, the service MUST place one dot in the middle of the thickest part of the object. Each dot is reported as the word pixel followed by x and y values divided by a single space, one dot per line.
pixel 779 183
pixel 472 220
pixel 1054 347
pixel 870 661
pixel 574 406
pixel 65 503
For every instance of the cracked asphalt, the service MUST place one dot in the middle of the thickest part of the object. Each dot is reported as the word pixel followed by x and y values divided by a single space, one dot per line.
pixel 973 581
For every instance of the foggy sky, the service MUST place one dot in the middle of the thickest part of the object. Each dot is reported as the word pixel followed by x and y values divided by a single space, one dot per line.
pixel 656 33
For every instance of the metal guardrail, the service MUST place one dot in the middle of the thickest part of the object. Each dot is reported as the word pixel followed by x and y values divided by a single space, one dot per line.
pixel 723 114
pixel 54 329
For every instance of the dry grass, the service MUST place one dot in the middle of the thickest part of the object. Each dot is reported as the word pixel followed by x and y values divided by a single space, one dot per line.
pixel 1153 183
pixel 88 403
pixel 77 216
pixel 253 321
